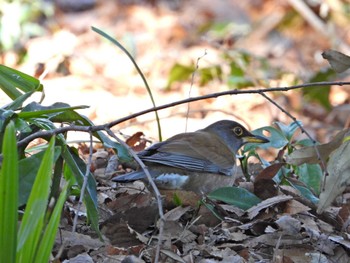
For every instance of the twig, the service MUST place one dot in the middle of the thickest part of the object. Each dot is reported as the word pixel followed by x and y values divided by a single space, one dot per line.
pixel 323 165
pixel 228 92
pixel 154 187
pixel 50 133
pixel 83 187
pixel 192 81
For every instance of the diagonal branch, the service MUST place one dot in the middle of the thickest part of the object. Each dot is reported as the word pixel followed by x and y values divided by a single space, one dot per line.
pixel 319 157
pixel 154 187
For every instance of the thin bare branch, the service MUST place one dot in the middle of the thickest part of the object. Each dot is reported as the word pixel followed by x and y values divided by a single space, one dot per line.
pixel 320 159
pixel 153 185
pixel 42 134
pixel 83 188
pixel 229 92
pixel 190 90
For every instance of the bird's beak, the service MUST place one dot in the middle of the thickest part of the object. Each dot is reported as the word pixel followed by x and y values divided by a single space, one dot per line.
pixel 255 139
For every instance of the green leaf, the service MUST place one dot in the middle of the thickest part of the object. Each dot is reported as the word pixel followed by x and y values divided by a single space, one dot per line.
pixel 320 94
pixel 276 137
pixel 311 175
pixel 78 168
pixel 237 78
pixel 11 79
pixel 306 193
pixel 22 126
pixel 282 174
pixel 289 130
pixel 9 196
pixel 209 73
pixel 236 196
pixel 62 113
pixel 236 70
pixel 32 226
pixel 34 110
pixel 238 82
pixel 5 116
pixel 18 102
pixel 28 169
pixel 179 73
pixel 48 239
pixel 177 200
pixel 304 142
pixel 220 29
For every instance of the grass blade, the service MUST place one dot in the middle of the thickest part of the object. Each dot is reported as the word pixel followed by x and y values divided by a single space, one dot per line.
pixel 33 219
pixel 115 42
pixel 9 196
pixel 48 239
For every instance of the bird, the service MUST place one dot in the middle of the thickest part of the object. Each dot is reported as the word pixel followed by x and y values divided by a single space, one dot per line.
pixel 199 161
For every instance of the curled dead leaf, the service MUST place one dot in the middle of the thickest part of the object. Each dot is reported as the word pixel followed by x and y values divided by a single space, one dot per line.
pixel 137 142
pixel 309 155
pixel 338 61
pixel 254 211
pixel 339 176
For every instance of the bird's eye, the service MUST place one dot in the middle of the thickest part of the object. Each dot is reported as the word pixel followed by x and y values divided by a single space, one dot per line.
pixel 238 131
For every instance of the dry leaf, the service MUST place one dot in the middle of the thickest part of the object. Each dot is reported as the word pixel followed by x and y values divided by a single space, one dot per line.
pixel 340 240
pixel 339 176
pixel 269 172
pixel 172 255
pixel 294 207
pixel 264 185
pixel 295 254
pixel 82 258
pixel 338 61
pixel 136 142
pixel 308 154
pixel 176 213
pixel 317 257
pixel 134 139
pixel 289 225
pixel 254 211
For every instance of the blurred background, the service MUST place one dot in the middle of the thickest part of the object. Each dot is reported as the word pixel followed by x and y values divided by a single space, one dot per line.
pixel 185 49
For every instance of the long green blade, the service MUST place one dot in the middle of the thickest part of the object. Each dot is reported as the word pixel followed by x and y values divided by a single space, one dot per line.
pixel 33 219
pixel 9 196
pixel 115 42
pixel 11 80
pixel 47 242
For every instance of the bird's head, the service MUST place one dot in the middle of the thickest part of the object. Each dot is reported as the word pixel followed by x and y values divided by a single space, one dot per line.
pixel 234 134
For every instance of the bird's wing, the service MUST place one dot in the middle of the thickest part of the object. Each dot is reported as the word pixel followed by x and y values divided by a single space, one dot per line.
pixel 130 177
pixel 199 151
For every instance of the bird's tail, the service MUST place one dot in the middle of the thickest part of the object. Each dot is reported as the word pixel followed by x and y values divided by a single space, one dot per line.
pixel 130 177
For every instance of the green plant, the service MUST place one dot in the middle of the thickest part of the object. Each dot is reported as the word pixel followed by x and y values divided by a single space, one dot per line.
pixel 34 239
pixel 30 118
pixel 28 121
pixel 282 138
pixel 238 69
